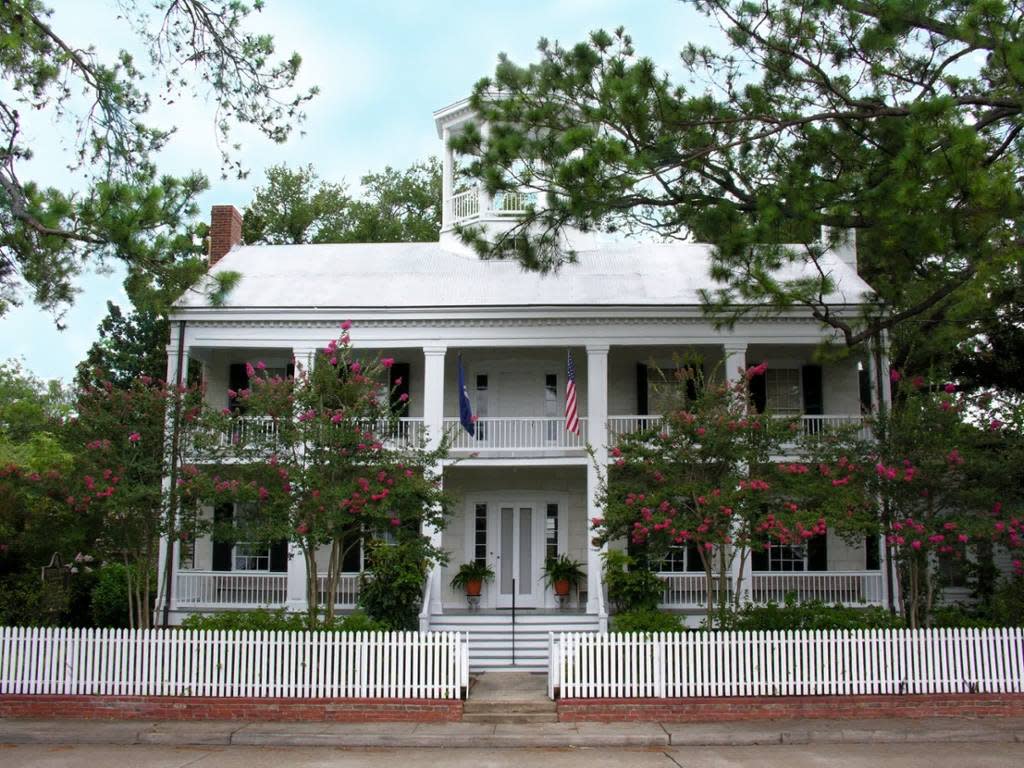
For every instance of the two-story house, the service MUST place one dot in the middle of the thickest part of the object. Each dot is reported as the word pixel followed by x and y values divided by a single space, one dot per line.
pixel 525 484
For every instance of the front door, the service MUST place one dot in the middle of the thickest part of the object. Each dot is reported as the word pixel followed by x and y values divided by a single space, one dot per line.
pixel 518 557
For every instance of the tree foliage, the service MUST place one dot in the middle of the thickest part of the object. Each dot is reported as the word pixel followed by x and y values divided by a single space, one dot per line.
pixel 900 120
pixel 119 206
pixel 296 206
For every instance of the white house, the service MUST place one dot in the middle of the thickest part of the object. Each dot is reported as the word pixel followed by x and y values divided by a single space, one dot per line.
pixel 525 484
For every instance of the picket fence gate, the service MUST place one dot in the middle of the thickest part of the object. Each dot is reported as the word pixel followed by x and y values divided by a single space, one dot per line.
pixel 260 664
pixel 786 663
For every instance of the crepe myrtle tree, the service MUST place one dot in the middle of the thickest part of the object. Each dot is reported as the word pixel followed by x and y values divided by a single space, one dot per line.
pixel 328 465
pixel 708 476
pixel 124 438
pixel 946 473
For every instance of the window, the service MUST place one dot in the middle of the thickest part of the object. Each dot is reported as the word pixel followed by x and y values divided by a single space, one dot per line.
pixel 481 405
pixel 663 387
pixel 249 556
pixel 552 427
pixel 783 393
pixel 787 557
pixel 954 569
pixel 480 535
pixel 551 532
pixel 682 559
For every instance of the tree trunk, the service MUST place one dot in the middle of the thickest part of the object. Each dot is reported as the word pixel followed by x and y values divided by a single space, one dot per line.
pixel 312 598
pixel 333 569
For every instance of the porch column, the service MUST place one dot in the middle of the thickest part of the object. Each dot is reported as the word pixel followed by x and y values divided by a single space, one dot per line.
pixel 483 196
pixel 296 597
pixel 597 437
pixel 433 422
pixel 163 599
pixel 447 181
pixel 735 355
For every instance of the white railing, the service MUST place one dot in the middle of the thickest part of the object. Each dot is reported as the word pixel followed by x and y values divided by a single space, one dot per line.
pixel 346 595
pixel 240 589
pixel 787 663
pixel 501 433
pixel 260 429
pixel 844 587
pixel 230 589
pixel 465 206
pixel 809 425
pixel 177 662
pixel 690 590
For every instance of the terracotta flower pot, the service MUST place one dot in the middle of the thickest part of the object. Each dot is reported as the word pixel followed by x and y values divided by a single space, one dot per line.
pixel 473 587
pixel 561 587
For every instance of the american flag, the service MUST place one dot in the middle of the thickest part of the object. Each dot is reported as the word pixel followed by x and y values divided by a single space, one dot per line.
pixel 572 416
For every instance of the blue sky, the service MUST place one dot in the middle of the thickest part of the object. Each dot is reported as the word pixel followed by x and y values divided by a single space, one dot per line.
pixel 382 67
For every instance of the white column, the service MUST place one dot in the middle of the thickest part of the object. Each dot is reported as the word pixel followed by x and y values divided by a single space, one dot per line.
pixel 447 179
pixel 296 597
pixel 735 353
pixel 484 196
pixel 175 542
pixel 433 422
pixel 597 437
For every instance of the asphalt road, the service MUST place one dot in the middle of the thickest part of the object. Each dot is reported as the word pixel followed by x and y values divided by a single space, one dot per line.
pixel 947 755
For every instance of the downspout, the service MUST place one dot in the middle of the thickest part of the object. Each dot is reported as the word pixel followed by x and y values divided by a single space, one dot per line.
pixel 172 502
pixel 882 381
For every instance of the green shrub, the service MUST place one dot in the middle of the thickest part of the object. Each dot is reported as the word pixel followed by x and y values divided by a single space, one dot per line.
pixel 108 602
pixel 393 591
pixel 645 620
pixel 959 617
pixel 809 615
pixel 1007 604
pixel 631 587
pixel 279 621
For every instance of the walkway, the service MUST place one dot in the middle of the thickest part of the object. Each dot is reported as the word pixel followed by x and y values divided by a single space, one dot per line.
pixel 533 735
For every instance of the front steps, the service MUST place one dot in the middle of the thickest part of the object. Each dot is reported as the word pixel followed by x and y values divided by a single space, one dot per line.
pixel 509 698
pixel 491 636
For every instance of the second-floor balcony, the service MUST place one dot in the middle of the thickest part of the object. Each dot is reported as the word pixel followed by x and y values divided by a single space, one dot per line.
pixel 523 436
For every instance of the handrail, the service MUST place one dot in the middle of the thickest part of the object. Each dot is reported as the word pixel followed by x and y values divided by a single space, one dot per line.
pixel 425 606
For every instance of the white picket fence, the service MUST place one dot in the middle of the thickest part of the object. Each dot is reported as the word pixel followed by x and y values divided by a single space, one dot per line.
pixel 177 662
pixel 789 663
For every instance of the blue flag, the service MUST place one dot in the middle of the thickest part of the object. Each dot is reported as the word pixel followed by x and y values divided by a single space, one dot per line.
pixel 465 408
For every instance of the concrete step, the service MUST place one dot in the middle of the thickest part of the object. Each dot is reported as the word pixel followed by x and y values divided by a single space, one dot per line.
pixel 497 706
pixel 510 718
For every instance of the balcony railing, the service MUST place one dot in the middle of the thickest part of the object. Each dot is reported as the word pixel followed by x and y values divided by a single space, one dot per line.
pixel 809 425
pixel 240 589
pixel 465 206
pixel 690 590
pixel 843 587
pixel 501 433
pixel 404 431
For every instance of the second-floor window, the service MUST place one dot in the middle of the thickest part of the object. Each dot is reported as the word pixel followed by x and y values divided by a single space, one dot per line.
pixel 683 559
pixel 249 556
pixel 783 393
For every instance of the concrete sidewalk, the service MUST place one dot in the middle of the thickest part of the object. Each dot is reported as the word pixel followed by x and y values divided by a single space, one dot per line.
pixel 469 735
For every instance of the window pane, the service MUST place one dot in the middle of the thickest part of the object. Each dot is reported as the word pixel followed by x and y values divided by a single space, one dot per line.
pixel 525 551
pixel 782 387
pixel 551 532
pixel 480 535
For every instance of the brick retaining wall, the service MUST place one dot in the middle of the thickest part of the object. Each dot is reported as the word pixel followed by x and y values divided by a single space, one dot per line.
pixel 791 707
pixel 250 709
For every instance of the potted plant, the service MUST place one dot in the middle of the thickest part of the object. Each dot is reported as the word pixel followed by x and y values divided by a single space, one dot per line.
pixel 471 577
pixel 562 574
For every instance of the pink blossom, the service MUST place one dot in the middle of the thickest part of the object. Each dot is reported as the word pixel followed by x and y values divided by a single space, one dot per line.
pixel 917 382
pixel 962 538
pixel 995 424
pixel 915 544
pixel 134 437
pixel 346 325
pixel 395 522
pixel 356 367
pixel 701 431
pixel 894 376
pixel 403 397
pixel 302 528
pixel 249 370
pixel 756 370
pixel 333 361
pixel 950 388
pixel 261 366
pixel 387 362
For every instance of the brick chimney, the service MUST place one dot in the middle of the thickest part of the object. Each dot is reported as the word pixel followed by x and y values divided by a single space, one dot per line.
pixel 225 231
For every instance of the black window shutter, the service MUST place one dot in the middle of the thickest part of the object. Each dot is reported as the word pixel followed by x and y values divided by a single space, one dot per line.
pixel 814 397
pixel 237 381
pixel 223 514
pixel 399 371
pixel 759 560
pixel 759 392
pixel 691 382
pixel 865 391
pixel 817 553
pixel 279 556
pixel 289 370
pixel 693 558
pixel 641 389
pixel 872 554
